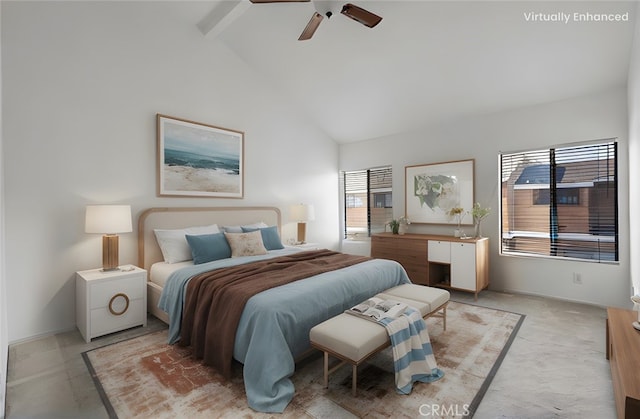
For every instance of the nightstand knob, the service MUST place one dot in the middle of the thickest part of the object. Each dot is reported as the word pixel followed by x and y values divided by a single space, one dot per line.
pixel 126 305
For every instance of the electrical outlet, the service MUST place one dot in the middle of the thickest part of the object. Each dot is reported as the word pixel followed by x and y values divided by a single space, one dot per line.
pixel 577 278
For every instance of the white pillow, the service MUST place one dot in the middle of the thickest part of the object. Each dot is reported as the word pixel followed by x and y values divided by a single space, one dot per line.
pixel 246 244
pixel 173 243
pixel 238 229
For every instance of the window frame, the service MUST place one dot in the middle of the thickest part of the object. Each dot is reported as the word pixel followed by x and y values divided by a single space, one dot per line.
pixel 612 238
pixel 371 187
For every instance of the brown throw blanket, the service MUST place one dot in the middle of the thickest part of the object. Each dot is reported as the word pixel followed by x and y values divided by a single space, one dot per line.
pixel 215 300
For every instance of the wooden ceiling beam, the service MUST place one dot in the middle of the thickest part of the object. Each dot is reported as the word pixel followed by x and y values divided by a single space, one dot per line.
pixel 221 16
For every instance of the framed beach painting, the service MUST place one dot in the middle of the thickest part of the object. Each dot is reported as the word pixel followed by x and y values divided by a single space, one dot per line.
pixel 197 159
pixel 432 190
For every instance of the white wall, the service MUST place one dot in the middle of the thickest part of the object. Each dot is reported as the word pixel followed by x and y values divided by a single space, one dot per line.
pixel 602 115
pixel 634 155
pixel 83 82
pixel 3 294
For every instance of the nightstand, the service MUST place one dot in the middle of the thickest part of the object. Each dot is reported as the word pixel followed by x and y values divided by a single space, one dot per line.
pixel 112 301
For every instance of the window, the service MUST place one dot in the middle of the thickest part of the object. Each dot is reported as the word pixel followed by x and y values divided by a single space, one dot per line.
pixel 561 202
pixel 382 200
pixel 368 201
pixel 565 196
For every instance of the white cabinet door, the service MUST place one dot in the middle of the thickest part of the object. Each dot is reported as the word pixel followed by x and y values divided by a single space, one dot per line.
pixel 439 251
pixel 463 266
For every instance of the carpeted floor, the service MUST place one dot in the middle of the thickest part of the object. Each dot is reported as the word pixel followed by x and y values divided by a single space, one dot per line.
pixel 144 377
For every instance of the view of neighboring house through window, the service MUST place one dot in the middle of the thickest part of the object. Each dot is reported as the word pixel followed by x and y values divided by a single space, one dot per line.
pixel 561 202
pixel 368 202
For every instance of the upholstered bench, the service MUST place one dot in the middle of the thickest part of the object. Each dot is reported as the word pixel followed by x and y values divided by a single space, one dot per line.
pixel 353 339
pixel 433 300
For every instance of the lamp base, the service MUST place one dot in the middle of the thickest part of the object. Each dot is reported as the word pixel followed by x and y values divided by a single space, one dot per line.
pixel 302 230
pixel 110 252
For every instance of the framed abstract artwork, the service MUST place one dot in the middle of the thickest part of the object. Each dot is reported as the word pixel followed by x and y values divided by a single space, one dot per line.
pixel 432 190
pixel 200 160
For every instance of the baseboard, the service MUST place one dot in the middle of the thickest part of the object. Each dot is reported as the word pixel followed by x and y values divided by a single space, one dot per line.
pixel 533 294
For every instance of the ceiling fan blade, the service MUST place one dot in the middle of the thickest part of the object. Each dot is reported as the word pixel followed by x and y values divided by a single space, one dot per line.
pixel 360 15
pixel 279 1
pixel 311 27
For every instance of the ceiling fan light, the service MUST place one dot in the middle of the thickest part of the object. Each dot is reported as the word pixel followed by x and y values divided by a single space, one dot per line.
pixel 360 15
pixel 311 27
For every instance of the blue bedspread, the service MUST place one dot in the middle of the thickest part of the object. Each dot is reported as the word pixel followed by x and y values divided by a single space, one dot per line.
pixel 274 327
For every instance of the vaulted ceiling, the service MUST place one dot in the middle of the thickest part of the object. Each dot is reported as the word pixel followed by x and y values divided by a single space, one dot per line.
pixel 427 61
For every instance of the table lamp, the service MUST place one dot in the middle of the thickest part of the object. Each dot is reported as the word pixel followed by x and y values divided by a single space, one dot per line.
pixel 108 220
pixel 302 213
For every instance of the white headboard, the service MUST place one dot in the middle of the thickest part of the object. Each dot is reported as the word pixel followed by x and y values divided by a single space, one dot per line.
pixel 181 217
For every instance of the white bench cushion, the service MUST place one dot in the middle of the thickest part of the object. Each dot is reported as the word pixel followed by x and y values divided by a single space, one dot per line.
pixel 435 297
pixel 350 336
pixel 423 308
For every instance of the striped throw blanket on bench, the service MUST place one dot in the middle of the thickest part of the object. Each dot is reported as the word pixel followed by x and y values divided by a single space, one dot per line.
pixel 412 353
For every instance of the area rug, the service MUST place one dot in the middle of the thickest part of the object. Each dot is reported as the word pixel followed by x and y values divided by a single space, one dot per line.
pixel 143 377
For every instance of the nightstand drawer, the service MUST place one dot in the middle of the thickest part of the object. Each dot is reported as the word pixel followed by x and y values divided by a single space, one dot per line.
pixel 103 321
pixel 101 293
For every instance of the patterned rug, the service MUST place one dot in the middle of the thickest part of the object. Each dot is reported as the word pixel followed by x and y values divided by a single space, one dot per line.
pixel 144 377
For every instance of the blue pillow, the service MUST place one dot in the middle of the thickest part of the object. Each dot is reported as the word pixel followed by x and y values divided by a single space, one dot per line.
pixel 208 247
pixel 270 237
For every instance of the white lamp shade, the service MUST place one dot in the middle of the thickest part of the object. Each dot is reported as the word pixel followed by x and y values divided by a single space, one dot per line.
pixel 108 219
pixel 302 213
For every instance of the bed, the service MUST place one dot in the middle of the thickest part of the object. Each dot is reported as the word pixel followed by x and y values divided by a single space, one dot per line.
pixel 273 330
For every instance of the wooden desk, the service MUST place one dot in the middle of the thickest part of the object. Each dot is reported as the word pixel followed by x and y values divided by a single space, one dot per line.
pixel 623 353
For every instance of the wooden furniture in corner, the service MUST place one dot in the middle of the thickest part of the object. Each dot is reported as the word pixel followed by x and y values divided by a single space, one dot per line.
pixel 437 261
pixel 623 353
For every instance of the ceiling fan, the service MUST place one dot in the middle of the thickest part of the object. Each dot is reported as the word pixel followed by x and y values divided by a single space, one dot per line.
pixel 352 11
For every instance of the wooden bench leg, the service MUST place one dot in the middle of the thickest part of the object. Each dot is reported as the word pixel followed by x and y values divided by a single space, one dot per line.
pixel 444 318
pixel 326 369
pixel 354 379
pixel 354 373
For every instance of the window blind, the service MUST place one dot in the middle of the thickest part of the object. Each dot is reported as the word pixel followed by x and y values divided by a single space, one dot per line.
pixel 561 202
pixel 368 201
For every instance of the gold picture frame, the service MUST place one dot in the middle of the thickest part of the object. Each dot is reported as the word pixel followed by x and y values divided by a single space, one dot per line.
pixel 199 160
pixel 431 190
